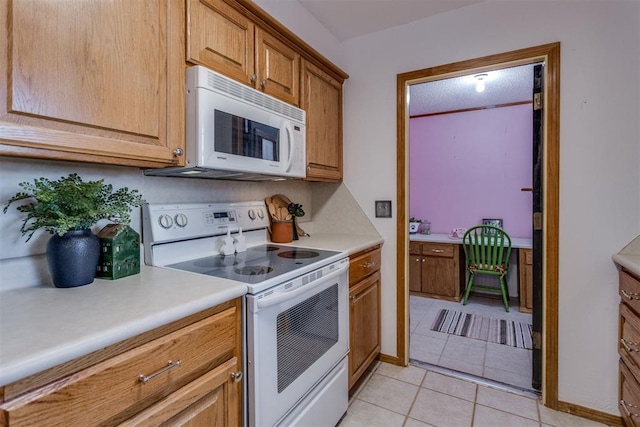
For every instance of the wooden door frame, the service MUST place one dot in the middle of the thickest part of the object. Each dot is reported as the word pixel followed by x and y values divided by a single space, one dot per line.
pixel 550 55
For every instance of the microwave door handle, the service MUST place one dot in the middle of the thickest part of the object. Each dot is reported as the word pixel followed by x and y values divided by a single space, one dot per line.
pixel 287 127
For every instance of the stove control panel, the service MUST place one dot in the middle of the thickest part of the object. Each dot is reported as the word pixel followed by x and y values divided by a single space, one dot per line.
pixel 173 222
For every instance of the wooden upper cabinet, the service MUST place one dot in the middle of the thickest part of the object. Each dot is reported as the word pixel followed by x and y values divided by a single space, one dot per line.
pixel 321 98
pixel 277 67
pixel 93 81
pixel 220 37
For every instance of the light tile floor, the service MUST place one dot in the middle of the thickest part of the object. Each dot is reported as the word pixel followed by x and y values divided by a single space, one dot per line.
pixel 498 362
pixel 391 396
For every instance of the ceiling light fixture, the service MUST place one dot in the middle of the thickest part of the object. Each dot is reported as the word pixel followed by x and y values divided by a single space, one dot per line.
pixel 480 81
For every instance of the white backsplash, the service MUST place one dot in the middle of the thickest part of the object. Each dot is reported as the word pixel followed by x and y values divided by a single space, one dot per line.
pixel 329 207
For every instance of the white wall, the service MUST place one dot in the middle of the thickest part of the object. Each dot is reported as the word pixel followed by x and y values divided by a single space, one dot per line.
pixel 599 149
pixel 599 153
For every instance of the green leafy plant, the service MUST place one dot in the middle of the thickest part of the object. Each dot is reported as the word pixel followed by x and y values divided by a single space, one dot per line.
pixel 295 209
pixel 71 204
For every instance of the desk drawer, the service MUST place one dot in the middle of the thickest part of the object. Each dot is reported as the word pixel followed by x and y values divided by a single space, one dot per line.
pixel 363 264
pixel 414 248
pixel 630 290
pixel 438 249
pixel 112 389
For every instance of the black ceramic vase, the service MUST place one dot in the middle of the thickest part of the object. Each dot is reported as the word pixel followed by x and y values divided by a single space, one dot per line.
pixel 73 258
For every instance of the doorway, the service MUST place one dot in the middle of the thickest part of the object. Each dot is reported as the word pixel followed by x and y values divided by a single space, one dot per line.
pixel 549 54
pixel 471 158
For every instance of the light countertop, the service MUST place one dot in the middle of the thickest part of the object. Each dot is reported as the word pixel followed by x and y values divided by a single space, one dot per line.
pixel 41 327
pixel 629 256
pixel 516 242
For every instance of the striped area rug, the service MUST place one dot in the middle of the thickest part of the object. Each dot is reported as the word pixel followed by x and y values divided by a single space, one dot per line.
pixel 507 332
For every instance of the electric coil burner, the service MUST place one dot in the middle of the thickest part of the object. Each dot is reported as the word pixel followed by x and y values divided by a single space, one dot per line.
pixel 296 315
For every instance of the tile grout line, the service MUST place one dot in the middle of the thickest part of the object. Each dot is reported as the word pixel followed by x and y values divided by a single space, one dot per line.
pixel 415 397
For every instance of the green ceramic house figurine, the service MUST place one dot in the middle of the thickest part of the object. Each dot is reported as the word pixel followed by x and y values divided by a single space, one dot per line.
pixel 120 252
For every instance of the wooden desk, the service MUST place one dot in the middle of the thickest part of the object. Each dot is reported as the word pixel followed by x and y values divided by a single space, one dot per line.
pixel 521 262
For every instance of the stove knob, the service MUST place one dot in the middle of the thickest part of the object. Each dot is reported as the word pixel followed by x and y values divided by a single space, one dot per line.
pixel 165 221
pixel 260 214
pixel 252 214
pixel 181 220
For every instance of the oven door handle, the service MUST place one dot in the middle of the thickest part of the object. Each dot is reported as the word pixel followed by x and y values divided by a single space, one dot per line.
pixel 287 295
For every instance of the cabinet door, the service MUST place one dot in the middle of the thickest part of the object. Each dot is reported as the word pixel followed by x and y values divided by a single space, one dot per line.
pixel 277 67
pixel 210 401
pixel 364 324
pixel 221 38
pixel 415 272
pixel 321 98
pixel 438 277
pixel 93 81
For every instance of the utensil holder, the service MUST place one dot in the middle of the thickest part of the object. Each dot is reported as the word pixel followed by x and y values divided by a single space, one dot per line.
pixel 281 231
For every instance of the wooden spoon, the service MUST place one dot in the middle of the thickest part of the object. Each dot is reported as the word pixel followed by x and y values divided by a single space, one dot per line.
pixel 272 211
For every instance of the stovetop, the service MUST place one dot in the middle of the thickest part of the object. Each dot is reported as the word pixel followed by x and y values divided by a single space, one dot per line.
pixel 190 237
pixel 258 264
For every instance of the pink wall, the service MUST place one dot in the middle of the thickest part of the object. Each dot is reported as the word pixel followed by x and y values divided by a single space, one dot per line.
pixel 468 166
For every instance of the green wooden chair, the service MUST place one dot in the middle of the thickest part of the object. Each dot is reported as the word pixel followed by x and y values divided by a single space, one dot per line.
pixel 487 250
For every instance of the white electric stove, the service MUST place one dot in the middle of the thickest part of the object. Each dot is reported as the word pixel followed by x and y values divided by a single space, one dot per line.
pixel 296 320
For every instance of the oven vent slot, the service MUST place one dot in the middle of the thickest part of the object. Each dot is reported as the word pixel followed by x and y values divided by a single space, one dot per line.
pixel 305 332
pixel 288 285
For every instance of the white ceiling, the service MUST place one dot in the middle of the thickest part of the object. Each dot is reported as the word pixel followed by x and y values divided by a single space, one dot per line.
pixel 501 87
pixel 346 19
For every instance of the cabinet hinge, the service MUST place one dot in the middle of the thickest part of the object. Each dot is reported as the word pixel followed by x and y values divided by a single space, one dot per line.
pixel 536 338
pixel 537 101
pixel 537 220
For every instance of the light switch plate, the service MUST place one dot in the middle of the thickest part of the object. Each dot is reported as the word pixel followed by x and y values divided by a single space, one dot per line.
pixel 383 208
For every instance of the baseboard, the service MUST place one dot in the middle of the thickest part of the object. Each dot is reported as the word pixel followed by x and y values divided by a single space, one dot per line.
pixel 591 414
pixel 389 359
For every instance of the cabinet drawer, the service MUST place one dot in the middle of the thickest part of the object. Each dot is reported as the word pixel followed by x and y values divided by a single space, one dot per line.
pixel 629 403
pixel 113 389
pixel 630 290
pixel 363 264
pixel 629 343
pixel 414 248
pixel 438 249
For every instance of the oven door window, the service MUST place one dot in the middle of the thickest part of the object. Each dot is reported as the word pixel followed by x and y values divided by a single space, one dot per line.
pixel 305 332
pixel 243 137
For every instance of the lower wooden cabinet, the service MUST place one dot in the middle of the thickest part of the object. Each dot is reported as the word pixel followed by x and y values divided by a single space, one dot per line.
pixel 436 270
pixel 629 348
pixel 525 280
pixel 364 312
pixel 185 371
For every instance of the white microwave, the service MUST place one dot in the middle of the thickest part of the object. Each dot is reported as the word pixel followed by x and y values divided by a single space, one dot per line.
pixel 236 132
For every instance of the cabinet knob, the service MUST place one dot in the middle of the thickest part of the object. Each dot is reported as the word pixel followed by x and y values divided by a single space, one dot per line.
pixel 253 78
pixel 437 251
pixel 236 376
pixel 178 152
pixel 263 83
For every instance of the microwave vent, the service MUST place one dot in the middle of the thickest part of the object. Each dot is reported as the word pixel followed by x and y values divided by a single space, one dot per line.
pixel 237 90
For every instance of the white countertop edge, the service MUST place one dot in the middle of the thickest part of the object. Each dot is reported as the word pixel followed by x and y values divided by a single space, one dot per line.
pixel 516 242
pixel 38 362
pixel 630 262
pixel 347 243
